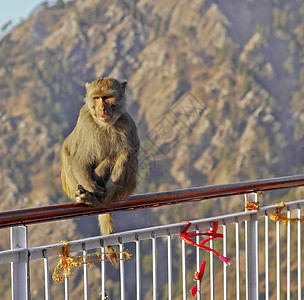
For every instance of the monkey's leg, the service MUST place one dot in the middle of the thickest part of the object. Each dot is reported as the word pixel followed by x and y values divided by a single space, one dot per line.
pixel 122 181
pixel 100 176
pixel 77 179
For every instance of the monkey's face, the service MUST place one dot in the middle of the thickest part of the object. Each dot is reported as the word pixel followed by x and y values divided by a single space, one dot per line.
pixel 105 99
pixel 105 107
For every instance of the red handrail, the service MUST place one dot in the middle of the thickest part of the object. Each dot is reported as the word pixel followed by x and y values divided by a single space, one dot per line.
pixel 71 210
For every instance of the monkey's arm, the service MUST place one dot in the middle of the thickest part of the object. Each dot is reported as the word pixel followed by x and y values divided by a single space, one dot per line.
pixel 102 172
pixel 122 181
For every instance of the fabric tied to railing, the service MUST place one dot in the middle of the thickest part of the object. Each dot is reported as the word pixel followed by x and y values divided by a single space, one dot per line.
pixel 212 233
pixel 198 276
pixel 252 205
pixel 68 262
pixel 279 216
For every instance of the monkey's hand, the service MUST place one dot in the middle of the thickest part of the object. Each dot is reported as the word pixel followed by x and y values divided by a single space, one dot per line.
pixel 90 198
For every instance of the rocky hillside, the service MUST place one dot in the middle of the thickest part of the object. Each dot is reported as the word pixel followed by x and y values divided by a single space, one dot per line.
pixel 216 88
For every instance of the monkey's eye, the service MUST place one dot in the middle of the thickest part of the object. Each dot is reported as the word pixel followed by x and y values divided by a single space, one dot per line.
pixel 104 98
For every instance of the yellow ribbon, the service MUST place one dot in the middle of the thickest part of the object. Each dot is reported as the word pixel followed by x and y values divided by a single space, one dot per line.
pixel 279 216
pixel 252 205
pixel 68 262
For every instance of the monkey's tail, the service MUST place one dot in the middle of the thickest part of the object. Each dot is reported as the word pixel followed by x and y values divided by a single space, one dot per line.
pixel 106 226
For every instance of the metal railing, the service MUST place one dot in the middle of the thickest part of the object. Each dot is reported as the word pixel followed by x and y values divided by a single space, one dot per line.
pixel 250 276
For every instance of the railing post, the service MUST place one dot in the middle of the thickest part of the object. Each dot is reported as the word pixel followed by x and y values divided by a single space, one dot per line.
pixel 20 276
pixel 122 272
pixel 103 271
pixel 138 268
pixel 251 240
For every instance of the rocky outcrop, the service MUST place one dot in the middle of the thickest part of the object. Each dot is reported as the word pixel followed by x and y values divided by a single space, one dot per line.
pixel 215 88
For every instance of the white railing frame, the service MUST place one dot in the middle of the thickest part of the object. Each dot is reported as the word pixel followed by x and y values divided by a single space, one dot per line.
pixel 20 275
pixel 20 255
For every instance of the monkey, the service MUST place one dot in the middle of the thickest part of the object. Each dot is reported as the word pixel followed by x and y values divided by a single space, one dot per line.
pixel 100 156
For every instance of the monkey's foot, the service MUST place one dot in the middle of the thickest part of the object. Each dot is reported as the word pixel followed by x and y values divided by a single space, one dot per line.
pixel 85 197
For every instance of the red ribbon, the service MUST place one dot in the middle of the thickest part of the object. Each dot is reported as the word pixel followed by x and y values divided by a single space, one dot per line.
pixel 198 276
pixel 186 236
pixel 212 233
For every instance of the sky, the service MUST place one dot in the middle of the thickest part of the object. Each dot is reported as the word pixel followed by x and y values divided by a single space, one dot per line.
pixel 16 9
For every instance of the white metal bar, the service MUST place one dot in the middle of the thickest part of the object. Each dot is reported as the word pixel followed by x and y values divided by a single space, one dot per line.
pixel 66 289
pixel 256 224
pixel 299 257
pixel 85 274
pixel 278 258
pixel 154 264
pixel 266 258
pixel 224 265
pixel 122 273
pixel 211 272
pixel 47 294
pixel 237 260
pixel 138 270
pixel 169 267
pixel 184 270
pixel 197 240
pixel 103 271
pixel 251 246
pixel 20 276
pixel 247 247
pixel 288 256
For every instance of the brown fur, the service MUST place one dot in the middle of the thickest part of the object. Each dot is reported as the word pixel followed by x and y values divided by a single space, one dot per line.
pixel 99 157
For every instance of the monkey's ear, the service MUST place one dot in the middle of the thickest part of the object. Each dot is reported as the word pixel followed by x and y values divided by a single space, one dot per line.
pixel 124 84
pixel 87 85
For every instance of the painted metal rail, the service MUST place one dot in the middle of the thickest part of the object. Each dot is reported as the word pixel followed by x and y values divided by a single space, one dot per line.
pixel 243 228
pixel 71 210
